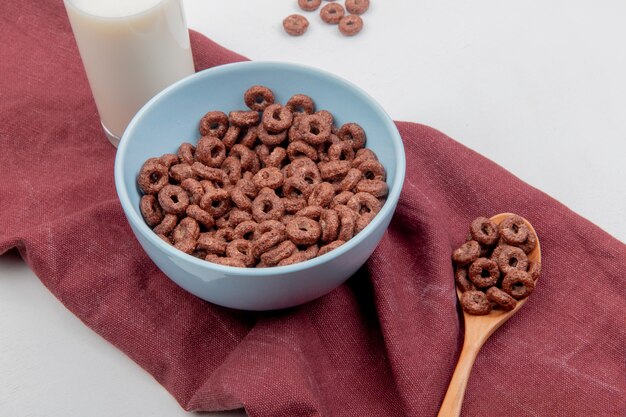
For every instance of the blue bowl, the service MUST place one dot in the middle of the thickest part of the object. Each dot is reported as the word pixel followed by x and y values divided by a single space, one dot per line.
pixel 172 117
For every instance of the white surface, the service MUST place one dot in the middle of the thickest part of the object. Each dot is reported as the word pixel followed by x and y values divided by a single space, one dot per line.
pixel 537 86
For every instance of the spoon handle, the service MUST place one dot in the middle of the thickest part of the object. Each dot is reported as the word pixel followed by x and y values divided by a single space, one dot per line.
pixel 452 402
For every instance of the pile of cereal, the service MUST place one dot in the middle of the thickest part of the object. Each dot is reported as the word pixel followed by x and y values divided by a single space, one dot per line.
pixel 332 13
pixel 273 185
pixel 492 269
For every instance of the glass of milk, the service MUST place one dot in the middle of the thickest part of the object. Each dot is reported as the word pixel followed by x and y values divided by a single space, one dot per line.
pixel 131 50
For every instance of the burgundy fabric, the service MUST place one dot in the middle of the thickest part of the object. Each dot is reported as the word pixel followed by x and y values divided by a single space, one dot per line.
pixel 383 344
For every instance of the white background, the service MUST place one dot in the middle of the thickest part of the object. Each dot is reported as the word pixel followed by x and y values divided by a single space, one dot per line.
pixel 537 86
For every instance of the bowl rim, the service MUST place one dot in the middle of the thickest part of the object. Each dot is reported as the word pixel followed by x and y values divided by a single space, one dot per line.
pixel 135 219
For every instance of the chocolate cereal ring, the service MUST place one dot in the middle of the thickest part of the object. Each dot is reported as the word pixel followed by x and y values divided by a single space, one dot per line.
pixel 293 205
pixel 377 188
pixel 243 118
pixel 215 175
pixel 246 230
pixel 357 6
pixel 225 261
pixel 353 134
pixel 475 302
pixel 277 118
pixel 342 198
pixel 245 155
pixel 312 212
pixel 241 200
pixel 300 149
pixel 329 223
pixel 231 136
pixel 151 210
pixel 347 219
pixel 484 273
pixel 274 158
pixel 186 153
pixel 303 231
pixel 301 104
pixel 334 170
pixel 350 25
pixel 364 203
pixel 278 253
pixel 314 129
pixel 328 118
pixel 258 97
pixel 297 187
pixel 529 244
pixel 363 155
pixel 501 298
pixel 269 177
pixel 248 136
pixel 187 229
pixel 270 139
pixel 341 151
pixel 211 244
pixel 201 216
pixel 211 151
pixel 466 253
pixel 194 189
pixel 216 202
pixel 332 13
pixel 461 279
pixel 173 199
pixel 518 284
pixel 169 159
pixel 309 5
pixel 331 246
pixel 269 238
pixel 153 176
pixel 181 172
pixel 187 246
pixel 534 269
pixel 373 170
pixel 484 231
pixel 295 24
pixel 241 249
pixel 510 258
pixel 214 123
pixel 267 206
pixel 513 230
pixel 167 225
pixel 322 194
pixel 232 168
pixel 349 181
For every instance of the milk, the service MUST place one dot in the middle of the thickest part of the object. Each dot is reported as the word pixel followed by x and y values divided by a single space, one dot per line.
pixel 131 50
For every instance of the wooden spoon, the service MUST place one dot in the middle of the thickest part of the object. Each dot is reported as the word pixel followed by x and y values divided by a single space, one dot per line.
pixel 477 331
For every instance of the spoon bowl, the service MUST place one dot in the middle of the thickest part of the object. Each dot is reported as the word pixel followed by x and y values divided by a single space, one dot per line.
pixel 477 331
